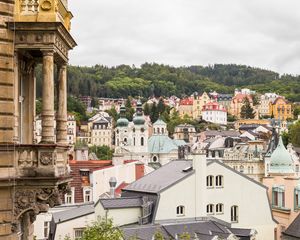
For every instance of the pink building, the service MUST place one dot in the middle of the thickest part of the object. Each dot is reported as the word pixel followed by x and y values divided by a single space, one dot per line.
pixel 283 188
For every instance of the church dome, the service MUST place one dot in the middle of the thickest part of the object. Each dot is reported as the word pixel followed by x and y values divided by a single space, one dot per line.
pixel 138 120
pixel 281 160
pixel 122 122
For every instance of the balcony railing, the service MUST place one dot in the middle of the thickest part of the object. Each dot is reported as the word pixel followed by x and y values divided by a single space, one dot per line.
pixel 43 11
pixel 39 160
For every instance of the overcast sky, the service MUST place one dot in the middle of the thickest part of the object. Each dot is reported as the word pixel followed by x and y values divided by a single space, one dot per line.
pixel 260 33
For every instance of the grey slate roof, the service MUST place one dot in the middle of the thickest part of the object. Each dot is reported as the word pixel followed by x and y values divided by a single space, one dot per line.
pixel 124 202
pixel 72 213
pixel 227 133
pixel 205 230
pixel 294 229
pixel 161 178
pixel 144 232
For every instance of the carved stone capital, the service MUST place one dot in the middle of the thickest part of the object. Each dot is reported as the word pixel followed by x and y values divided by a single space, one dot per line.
pixel 34 201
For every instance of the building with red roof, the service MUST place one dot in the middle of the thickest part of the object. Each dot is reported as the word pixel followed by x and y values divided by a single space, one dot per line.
pixel 215 113
pixel 186 107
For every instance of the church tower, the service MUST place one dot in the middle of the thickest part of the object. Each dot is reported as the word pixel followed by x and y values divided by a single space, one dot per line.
pixel 33 175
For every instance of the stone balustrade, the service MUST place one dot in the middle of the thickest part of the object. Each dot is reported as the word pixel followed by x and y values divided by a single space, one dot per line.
pixel 38 160
pixel 43 11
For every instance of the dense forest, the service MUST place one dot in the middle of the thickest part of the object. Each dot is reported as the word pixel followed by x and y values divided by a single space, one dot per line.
pixel 152 79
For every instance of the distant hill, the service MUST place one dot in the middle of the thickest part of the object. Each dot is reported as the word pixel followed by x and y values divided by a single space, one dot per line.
pixel 164 80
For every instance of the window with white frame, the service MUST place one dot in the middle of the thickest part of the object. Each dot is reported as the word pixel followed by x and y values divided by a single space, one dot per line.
pixel 46 229
pixel 210 181
pixel 87 194
pixel 210 209
pixel 297 197
pixel 278 198
pixel 180 210
pixel 69 197
pixel 219 208
pixel 78 233
pixel 219 181
pixel 234 213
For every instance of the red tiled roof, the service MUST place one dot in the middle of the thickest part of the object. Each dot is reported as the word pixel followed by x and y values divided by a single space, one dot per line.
pixel 129 161
pixel 186 101
pixel 213 106
pixel 240 97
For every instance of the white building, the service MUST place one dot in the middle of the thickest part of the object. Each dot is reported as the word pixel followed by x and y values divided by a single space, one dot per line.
pixel 190 190
pixel 131 138
pixel 63 221
pixel 71 129
pixel 265 99
pixel 215 113
pixel 101 131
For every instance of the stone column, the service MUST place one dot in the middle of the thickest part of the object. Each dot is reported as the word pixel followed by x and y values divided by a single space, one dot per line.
pixel 48 98
pixel 61 127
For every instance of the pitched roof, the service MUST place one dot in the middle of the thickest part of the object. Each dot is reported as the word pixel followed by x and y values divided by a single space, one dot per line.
pixel 207 229
pixel 294 228
pixel 124 202
pixel 82 210
pixel 228 133
pixel 163 144
pixel 162 178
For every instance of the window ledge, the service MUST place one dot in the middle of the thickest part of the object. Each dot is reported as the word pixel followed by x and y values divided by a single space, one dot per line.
pixel 280 209
pixel 210 187
pixel 180 215
pixel 220 213
pixel 219 186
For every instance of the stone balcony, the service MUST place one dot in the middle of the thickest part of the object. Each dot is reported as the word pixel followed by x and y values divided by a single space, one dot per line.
pixel 44 161
pixel 43 11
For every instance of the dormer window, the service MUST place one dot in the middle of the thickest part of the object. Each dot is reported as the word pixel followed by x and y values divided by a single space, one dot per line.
pixel 180 210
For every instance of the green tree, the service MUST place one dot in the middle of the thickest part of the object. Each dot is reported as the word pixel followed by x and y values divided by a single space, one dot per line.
pixel 158 235
pixel 76 106
pixel 38 106
pixel 129 109
pixel 103 152
pixel 113 113
pixel 247 111
pixel 294 134
pixel 147 109
pixel 103 229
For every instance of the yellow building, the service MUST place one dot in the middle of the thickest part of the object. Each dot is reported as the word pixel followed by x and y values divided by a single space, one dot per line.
pixel 198 103
pixel 281 109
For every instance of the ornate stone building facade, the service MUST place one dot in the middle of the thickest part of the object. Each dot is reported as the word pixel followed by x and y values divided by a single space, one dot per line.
pixel 32 175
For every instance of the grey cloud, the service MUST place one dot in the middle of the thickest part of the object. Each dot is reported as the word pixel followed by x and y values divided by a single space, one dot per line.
pixel 182 32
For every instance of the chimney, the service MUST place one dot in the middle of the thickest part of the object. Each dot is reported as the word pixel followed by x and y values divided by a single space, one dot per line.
pixel 112 184
pixel 199 165
pixel 139 170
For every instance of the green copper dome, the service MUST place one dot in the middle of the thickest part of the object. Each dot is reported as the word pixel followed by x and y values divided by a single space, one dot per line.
pixel 139 118
pixel 281 160
pixel 122 121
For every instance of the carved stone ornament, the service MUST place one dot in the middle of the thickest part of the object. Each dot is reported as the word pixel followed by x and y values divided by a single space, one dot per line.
pixel 46 158
pixel 46 5
pixel 34 201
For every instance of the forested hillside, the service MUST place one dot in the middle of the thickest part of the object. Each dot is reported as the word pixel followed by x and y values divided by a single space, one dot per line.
pixel 163 80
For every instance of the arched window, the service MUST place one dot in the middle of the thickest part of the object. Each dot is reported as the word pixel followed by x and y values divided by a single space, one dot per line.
pixel 134 141
pixel 241 168
pixel 180 210
pixel 154 159
pixel 162 130
pixel 210 209
pixel 234 213
pixel 210 181
pixel 142 141
pixel 87 194
pixel 158 131
pixel 219 208
pixel 219 181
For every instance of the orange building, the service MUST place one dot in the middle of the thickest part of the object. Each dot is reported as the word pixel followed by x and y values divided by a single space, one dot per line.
pixel 281 109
